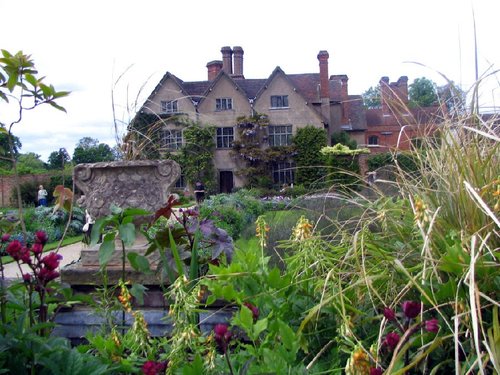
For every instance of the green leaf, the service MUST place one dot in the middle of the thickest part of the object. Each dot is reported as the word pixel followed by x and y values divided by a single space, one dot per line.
pixel 193 270
pixel 259 327
pixel 57 106
pixel 131 211
pixel 137 290
pixel 139 262
pixel 175 253
pixel 96 231
pixel 287 336
pixel 245 319
pixel 106 249
pixel 127 233
pixel 274 278
pixel 195 367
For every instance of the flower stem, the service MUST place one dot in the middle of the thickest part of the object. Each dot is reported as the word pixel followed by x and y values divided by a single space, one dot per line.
pixel 231 370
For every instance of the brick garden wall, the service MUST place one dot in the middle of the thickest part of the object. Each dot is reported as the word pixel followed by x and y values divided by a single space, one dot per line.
pixel 7 184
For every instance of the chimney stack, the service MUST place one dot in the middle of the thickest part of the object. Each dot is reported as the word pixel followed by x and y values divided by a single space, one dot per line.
pixel 227 60
pixel 238 62
pixel 385 95
pixel 323 74
pixel 214 67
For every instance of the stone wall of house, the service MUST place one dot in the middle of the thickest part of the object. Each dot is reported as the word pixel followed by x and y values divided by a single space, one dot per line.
pixel 7 184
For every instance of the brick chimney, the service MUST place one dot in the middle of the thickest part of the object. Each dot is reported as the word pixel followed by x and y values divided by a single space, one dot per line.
pixel 323 74
pixel 227 60
pixel 213 68
pixel 344 93
pixel 238 62
pixel 402 85
pixel 385 95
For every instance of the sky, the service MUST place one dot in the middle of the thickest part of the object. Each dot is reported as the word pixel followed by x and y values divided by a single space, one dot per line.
pixel 122 48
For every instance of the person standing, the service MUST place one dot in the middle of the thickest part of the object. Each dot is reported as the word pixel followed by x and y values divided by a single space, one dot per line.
pixel 199 192
pixel 42 196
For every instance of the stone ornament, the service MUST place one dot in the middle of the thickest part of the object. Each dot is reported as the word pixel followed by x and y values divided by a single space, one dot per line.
pixel 139 184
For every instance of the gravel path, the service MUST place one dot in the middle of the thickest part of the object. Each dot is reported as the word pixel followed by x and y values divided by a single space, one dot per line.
pixel 70 254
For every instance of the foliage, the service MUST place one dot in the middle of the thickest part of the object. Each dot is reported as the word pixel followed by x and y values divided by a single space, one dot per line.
pixel 196 155
pixel 89 150
pixel 58 159
pixel 233 212
pixel 406 161
pixel 372 98
pixel 343 138
pixel 5 153
pixel 308 142
pixel 422 93
pixel 30 163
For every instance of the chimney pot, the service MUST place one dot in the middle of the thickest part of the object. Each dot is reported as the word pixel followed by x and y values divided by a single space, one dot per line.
pixel 227 60
pixel 323 74
pixel 238 62
pixel 213 68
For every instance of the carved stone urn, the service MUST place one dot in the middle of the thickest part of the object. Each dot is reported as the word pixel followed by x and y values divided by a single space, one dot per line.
pixel 139 184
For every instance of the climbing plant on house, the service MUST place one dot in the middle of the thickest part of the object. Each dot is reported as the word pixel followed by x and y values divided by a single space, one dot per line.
pixel 250 148
pixel 309 160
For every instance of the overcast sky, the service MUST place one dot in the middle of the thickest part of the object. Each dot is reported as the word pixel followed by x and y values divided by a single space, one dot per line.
pixel 84 46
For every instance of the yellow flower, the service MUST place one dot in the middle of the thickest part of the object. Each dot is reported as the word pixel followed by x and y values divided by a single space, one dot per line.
pixel 302 230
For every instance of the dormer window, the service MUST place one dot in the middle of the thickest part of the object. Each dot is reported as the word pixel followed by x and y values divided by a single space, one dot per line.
pixel 223 104
pixel 279 101
pixel 169 106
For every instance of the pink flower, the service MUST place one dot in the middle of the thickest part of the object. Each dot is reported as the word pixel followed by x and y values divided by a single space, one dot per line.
pixel 26 277
pixel 253 309
pixel 222 336
pixel 432 325
pixel 41 237
pixel 25 255
pixel 391 340
pixel 51 261
pixel 5 237
pixel 389 314
pixel 376 371
pixel 411 309
pixel 14 249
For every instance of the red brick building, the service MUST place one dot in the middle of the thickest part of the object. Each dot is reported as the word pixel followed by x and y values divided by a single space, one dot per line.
pixel 394 125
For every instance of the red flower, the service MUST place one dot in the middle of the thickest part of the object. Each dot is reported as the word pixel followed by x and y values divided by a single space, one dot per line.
pixel 51 261
pixel 376 371
pixel 153 368
pixel 389 314
pixel 26 277
pixel 25 255
pixel 41 237
pixel 391 340
pixel 411 309
pixel 37 248
pixel 222 336
pixel 14 249
pixel 253 309
pixel 432 325
pixel 5 237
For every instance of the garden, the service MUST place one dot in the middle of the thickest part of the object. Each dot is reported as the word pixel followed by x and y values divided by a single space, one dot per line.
pixel 356 282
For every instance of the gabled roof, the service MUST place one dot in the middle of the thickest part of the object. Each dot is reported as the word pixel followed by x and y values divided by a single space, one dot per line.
pixel 211 84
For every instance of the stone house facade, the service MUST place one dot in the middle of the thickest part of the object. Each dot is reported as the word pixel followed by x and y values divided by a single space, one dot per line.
pixel 291 102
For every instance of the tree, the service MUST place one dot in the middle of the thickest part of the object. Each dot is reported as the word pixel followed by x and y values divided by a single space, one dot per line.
pixel 371 97
pixel 89 150
pixel 5 153
pixel 30 163
pixel 422 93
pixel 57 159
pixel 453 97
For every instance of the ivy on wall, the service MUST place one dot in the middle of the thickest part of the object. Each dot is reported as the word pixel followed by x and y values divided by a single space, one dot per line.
pixel 309 160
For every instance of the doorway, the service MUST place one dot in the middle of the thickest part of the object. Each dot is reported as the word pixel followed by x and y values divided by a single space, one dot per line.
pixel 226 181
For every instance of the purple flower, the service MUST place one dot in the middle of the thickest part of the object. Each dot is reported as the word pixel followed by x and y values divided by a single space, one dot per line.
pixel 389 314
pixel 41 237
pixel 5 237
pixel 411 309
pixel 376 371
pixel 153 368
pixel 45 275
pixel 222 337
pixel 432 325
pixel 253 309
pixel 391 340
pixel 26 277
pixel 51 261
pixel 37 248
pixel 14 249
